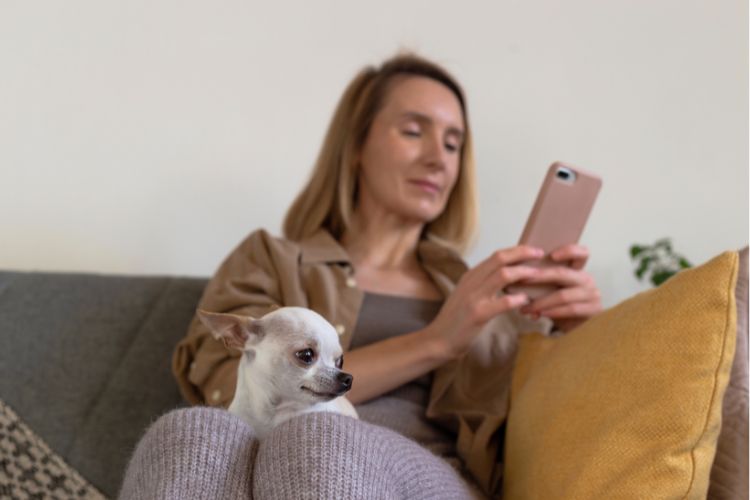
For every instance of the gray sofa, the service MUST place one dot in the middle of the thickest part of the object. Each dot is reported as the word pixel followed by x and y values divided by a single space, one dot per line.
pixel 85 361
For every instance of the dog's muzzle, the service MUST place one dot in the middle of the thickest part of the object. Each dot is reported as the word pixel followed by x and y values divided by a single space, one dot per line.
pixel 345 382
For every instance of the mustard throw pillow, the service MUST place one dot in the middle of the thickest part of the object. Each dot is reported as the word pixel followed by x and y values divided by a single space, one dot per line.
pixel 629 404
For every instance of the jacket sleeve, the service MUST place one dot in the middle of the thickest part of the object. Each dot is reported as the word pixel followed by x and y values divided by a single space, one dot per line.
pixel 246 283
pixel 470 396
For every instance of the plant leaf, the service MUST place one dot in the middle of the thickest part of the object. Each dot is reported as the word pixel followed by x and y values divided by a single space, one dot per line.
pixel 635 250
pixel 660 277
pixel 643 267
pixel 658 261
pixel 664 244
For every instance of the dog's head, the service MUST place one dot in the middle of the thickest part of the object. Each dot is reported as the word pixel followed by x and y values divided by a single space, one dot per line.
pixel 292 354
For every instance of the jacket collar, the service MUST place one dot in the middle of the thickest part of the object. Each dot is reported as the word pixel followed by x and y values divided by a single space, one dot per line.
pixel 321 247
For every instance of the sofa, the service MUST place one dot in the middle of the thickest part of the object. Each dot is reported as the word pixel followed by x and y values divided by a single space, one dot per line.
pixel 85 362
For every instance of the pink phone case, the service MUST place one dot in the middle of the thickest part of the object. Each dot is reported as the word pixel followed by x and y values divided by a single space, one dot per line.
pixel 558 217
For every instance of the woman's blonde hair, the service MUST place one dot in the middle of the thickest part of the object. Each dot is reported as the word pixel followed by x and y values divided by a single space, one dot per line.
pixel 328 199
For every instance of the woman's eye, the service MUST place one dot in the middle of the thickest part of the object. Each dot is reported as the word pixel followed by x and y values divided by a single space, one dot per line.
pixel 412 133
pixel 451 147
pixel 306 356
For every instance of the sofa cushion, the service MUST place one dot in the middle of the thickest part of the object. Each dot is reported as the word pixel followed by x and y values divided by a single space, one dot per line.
pixel 629 404
pixel 86 360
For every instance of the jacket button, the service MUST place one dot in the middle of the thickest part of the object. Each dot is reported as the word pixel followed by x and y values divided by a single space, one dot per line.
pixel 340 329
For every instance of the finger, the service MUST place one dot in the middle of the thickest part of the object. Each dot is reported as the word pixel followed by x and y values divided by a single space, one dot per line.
pixel 575 255
pixel 574 310
pixel 510 256
pixel 476 276
pixel 562 297
pixel 492 306
pixel 562 276
pixel 506 276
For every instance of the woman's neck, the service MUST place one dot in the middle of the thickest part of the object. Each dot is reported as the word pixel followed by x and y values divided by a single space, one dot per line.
pixel 382 243
pixel 383 251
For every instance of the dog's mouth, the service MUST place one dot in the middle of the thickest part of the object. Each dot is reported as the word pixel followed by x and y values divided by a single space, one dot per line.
pixel 324 395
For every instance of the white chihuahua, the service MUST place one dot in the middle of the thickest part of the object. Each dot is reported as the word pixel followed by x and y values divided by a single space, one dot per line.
pixel 291 364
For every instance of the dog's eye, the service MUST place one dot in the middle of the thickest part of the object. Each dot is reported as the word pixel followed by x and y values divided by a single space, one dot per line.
pixel 306 356
pixel 340 362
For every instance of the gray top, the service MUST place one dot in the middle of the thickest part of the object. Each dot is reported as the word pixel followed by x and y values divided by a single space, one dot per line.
pixel 385 316
pixel 403 409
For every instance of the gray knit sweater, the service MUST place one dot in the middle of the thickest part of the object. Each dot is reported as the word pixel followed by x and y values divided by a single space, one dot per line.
pixel 209 453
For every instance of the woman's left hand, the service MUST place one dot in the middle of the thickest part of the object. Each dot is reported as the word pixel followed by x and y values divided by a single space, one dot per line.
pixel 578 298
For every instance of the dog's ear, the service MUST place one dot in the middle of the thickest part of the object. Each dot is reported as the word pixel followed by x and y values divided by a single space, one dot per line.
pixel 232 329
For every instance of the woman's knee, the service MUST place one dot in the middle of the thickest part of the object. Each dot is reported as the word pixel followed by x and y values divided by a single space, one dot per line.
pixel 333 456
pixel 192 449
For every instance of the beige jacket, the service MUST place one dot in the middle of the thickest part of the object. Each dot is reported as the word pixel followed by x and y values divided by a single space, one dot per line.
pixel 469 396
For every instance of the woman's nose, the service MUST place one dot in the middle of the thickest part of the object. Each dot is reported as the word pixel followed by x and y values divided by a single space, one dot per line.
pixel 435 153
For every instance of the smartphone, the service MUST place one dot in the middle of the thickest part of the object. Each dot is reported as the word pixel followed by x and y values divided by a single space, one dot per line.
pixel 558 217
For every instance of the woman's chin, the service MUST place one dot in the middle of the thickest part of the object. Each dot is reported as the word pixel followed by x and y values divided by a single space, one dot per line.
pixel 425 213
pixel 417 213
pixel 420 219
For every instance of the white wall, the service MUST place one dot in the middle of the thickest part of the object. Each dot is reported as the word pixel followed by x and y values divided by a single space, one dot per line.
pixel 151 136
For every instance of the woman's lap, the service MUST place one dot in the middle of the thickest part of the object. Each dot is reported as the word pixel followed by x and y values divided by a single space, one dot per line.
pixel 207 452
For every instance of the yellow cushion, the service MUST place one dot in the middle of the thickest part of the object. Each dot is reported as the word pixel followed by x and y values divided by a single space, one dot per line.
pixel 629 404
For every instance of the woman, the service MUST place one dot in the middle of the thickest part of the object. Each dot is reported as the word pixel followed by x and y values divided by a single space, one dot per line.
pixel 372 244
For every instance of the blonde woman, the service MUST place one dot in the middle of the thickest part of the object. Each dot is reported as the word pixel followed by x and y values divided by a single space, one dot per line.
pixel 373 243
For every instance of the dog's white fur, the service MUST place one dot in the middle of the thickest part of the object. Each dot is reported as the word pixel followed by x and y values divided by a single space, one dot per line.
pixel 274 381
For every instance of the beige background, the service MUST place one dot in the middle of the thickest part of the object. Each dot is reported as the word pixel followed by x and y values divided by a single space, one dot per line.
pixel 149 137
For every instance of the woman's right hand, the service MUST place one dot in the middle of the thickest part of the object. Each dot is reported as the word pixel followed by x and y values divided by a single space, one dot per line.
pixel 477 299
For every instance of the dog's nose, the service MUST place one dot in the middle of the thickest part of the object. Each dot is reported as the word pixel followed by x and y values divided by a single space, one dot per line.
pixel 345 380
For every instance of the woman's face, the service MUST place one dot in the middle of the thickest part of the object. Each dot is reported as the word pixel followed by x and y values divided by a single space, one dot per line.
pixel 412 153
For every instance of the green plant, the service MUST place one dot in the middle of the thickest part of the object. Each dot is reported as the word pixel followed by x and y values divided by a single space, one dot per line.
pixel 658 261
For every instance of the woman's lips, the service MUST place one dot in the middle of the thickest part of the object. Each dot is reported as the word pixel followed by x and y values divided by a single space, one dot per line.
pixel 426 185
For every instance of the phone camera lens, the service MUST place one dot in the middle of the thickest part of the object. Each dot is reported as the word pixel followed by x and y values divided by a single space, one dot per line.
pixel 565 174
